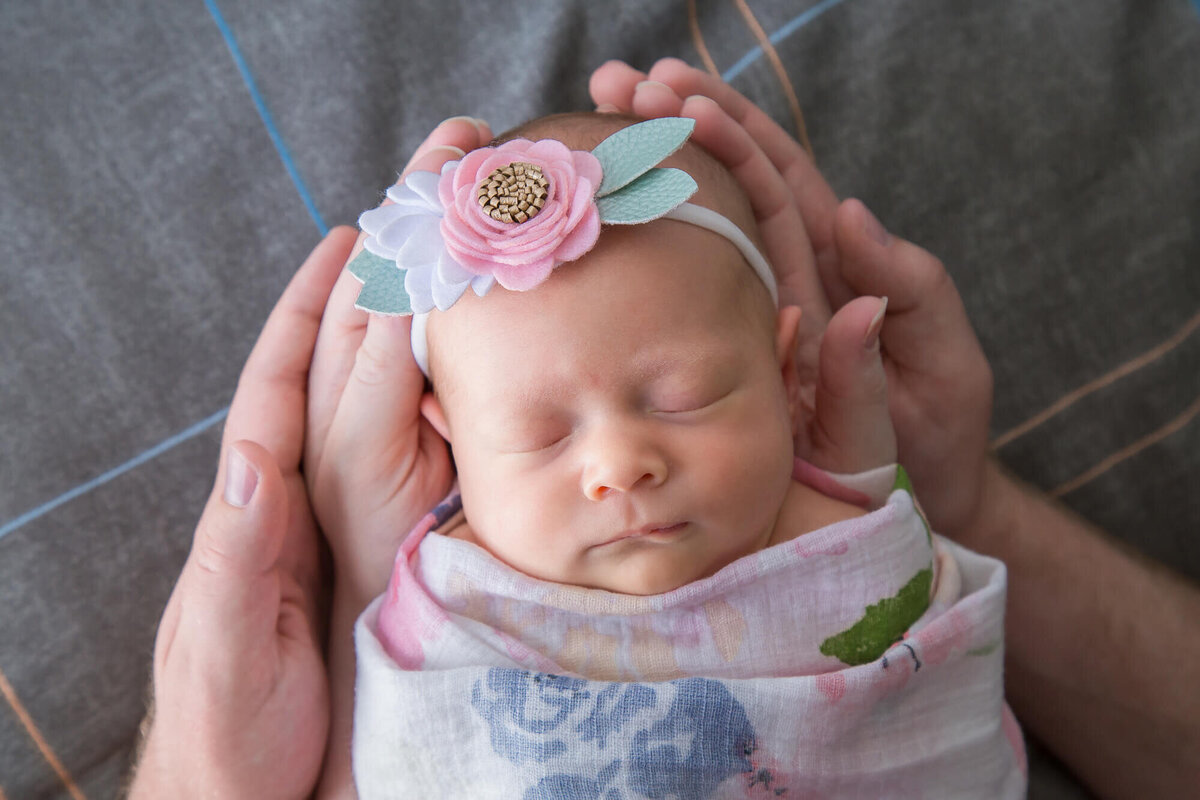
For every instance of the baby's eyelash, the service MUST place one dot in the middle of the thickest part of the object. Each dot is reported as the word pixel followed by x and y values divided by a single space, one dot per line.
pixel 540 446
pixel 694 405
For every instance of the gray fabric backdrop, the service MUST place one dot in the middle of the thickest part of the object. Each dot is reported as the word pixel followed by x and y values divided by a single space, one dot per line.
pixel 166 166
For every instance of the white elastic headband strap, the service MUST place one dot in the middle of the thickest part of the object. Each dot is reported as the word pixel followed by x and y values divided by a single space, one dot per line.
pixel 717 223
pixel 686 212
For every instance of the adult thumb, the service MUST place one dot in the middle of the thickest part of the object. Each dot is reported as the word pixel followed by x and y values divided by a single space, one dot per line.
pixel 853 431
pixel 927 324
pixel 231 591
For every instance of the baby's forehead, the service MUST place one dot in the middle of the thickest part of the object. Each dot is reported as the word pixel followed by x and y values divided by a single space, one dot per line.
pixel 684 299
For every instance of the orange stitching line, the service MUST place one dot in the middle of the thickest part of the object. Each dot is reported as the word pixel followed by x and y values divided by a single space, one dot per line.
pixel 11 696
pixel 1075 396
pixel 698 41
pixel 1127 452
pixel 780 72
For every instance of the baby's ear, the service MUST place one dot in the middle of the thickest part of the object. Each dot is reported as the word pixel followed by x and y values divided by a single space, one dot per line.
pixel 787 334
pixel 431 409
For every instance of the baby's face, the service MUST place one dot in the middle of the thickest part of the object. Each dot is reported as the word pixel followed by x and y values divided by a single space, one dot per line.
pixel 625 425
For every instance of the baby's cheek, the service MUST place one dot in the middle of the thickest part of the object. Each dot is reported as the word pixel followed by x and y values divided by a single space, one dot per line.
pixel 758 467
pixel 525 529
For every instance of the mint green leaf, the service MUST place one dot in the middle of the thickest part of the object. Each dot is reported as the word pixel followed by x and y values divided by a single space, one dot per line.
pixel 366 264
pixel 647 198
pixel 383 284
pixel 631 151
pixel 881 624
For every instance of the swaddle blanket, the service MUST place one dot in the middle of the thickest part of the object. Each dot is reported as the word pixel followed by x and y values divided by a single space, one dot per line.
pixel 863 659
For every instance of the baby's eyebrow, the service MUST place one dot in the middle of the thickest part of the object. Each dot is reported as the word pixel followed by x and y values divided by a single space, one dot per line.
pixel 696 356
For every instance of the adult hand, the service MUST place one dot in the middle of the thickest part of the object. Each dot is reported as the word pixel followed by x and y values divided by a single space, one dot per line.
pixel 374 465
pixel 240 700
pixel 933 361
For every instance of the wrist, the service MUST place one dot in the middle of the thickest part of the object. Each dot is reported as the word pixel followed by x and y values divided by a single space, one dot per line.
pixel 996 514
pixel 156 776
pixel 353 592
pixel 147 780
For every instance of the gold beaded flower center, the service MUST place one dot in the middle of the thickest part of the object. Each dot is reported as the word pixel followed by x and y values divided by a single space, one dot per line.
pixel 514 193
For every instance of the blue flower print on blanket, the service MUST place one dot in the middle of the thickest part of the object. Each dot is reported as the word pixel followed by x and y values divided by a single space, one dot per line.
pixel 615 741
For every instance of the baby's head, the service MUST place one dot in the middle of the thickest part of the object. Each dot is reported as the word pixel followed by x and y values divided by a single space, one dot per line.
pixel 627 424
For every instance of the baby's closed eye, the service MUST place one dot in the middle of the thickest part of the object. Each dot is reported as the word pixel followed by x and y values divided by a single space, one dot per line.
pixel 678 397
pixel 532 435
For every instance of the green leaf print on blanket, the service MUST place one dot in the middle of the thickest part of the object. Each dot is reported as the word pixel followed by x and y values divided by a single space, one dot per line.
pixel 882 624
pixel 905 483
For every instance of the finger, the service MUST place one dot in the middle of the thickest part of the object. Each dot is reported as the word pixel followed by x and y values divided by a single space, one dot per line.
pixel 853 430
pixel 342 325
pixel 381 404
pixel 464 133
pixel 381 401
pixel 269 403
pixel 927 324
pixel 613 84
pixel 815 199
pixel 778 219
pixel 652 99
pixel 229 592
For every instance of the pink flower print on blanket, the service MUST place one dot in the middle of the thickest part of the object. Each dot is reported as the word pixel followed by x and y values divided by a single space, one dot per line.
pixel 408 619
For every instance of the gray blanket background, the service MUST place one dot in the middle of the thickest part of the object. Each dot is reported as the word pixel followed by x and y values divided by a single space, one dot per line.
pixel 164 168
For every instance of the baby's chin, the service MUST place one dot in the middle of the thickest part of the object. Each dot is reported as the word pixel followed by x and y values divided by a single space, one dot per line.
pixel 644 576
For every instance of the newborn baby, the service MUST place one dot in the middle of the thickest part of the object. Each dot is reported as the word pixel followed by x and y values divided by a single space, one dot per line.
pixel 636 589
pixel 627 425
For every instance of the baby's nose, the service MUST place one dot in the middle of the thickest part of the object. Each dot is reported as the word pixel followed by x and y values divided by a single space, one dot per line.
pixel 621 461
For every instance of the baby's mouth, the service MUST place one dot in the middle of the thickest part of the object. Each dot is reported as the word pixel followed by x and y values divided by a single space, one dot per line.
pixel 656 532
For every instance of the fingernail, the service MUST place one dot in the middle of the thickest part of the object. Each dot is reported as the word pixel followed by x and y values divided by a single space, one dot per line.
pixel 463 117
pixel 607 108
pixel 658 84
pixel 874 229
pixel 240 480
pixel 449 148
pixel 871 340
pixel 482 126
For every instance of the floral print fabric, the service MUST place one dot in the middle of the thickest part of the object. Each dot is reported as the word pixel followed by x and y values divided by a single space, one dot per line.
pixel 860 660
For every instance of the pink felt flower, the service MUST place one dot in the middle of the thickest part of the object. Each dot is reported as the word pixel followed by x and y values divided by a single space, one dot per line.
pixel 521 255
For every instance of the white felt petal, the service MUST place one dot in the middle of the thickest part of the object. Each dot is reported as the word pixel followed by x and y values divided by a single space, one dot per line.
pixel 451 271
pixel 372 245
pixel 424 245
pixel 482 284
pixel 398 231
pixel 376 219
pixel 420 291
pixel 446 295
pixel 425 185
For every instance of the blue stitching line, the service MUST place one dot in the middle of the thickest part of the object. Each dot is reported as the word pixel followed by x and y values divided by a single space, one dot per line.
pixel 787 30
pixel 158 449
pixel 265 114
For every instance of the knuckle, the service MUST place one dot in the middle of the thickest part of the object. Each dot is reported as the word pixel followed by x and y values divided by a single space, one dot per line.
pixel 210 557
pixel 370 364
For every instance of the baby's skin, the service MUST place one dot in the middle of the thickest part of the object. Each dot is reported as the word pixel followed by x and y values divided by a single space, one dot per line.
pixel 627 425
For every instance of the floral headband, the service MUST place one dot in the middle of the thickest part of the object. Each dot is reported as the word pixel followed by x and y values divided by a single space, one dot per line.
pixel 511 214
